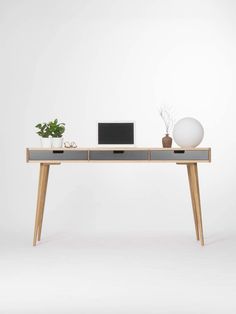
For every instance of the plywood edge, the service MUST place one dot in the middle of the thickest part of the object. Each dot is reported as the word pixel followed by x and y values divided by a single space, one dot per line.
pixel 118 161
pixel 209 154
pixel 117 148
pixel 27 154
pixel 56 162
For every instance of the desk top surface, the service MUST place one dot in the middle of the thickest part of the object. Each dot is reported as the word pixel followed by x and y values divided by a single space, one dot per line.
pixel 119 148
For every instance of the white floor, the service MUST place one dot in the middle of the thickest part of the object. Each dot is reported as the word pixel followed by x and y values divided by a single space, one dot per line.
pixel 139 273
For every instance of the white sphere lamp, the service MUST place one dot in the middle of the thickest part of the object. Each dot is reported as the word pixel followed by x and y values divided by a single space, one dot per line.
pixel 188 133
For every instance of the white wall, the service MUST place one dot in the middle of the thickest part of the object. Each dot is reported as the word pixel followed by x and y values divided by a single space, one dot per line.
pixel 84 61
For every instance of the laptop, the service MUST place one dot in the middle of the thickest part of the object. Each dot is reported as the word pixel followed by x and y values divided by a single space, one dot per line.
pixel 116 133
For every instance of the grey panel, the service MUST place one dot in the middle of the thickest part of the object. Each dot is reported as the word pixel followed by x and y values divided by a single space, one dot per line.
pixel 179 155
pixel 118 155
pixel 58 155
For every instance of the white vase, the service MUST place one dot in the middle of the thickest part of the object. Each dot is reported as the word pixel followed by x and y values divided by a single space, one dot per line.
pixel 57 142
pixel 46 142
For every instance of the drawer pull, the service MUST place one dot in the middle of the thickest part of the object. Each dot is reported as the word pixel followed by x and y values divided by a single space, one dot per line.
pixel 179 151
pixel 118 151
pixel 58 151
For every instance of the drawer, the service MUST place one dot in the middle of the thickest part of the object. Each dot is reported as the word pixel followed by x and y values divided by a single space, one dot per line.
pixel 180 155
pixel 118 155
pixel 58 155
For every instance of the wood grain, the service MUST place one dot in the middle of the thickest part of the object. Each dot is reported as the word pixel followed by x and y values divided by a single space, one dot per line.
pixel 43 196
pixel 42 188
pixel 191 186
pixel 193 171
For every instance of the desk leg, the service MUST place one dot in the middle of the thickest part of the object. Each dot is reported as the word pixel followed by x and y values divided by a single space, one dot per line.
pixel 46 173
pixel 193 202
pixel 42 187
pixel 193 178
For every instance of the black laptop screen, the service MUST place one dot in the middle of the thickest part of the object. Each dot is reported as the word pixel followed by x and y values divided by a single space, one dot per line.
pixel 116 133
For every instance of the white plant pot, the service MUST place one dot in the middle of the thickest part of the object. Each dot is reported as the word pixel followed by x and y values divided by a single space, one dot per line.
pixel 46 142
pixel 57 142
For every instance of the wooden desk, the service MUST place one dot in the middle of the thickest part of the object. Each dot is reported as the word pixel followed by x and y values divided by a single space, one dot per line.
pixel 188 157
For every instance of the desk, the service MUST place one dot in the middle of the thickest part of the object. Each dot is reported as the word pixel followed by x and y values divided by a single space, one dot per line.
pixel 180 156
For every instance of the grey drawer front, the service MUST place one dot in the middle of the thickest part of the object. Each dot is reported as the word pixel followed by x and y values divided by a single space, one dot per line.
pixel 180 155
pixel 58 155
pixel 118 155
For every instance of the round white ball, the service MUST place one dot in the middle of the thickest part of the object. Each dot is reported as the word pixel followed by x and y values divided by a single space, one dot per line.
pixel 188 132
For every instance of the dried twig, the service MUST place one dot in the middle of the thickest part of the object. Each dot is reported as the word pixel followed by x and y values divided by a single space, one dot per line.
pixel 166 114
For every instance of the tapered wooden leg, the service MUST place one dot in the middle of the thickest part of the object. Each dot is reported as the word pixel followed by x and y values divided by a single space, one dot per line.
pixel 45 183
pixel 38 205
pixel 196 196
pixel 193 202
pixel 43 177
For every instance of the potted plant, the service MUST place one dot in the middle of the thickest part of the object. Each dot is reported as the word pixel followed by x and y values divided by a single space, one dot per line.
pixel 56 131
pixel 44 133
pixel 167 117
